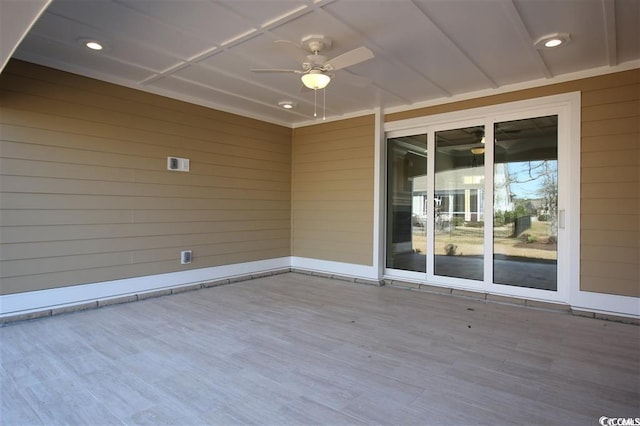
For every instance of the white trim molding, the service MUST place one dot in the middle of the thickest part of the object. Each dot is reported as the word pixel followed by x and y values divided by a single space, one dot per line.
pixel 40 303
pixel 339 269
pixel 625 306
pixel 57 298
pixel 379 194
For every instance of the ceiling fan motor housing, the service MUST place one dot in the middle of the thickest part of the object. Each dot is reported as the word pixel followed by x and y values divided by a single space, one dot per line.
pixel 316 43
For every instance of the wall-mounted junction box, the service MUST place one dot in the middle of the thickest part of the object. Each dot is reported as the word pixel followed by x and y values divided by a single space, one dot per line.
pixel 178 164
pixel 185 257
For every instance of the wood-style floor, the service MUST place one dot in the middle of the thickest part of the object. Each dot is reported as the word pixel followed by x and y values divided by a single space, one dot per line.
pixel 299 349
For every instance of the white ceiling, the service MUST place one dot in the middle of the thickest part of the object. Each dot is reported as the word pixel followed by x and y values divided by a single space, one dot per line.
pixel 202 51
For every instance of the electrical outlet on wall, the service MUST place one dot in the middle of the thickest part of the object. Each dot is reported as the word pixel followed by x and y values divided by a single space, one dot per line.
pixel 185 257
pixel 177 164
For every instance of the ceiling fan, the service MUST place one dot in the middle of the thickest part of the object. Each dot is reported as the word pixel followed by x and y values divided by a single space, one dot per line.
pixel 316 71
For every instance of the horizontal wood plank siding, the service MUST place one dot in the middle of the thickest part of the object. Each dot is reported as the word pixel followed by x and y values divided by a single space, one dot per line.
pixel 610 174
pixel 610 251
pixel 86 196
pixel 332 192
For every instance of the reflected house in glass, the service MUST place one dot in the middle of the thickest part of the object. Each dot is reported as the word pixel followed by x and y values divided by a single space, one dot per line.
pixel 458 196
pixel 522 200
pixel 459 192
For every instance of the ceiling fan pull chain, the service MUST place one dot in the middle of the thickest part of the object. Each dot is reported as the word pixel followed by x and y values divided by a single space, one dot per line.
pixel 315 98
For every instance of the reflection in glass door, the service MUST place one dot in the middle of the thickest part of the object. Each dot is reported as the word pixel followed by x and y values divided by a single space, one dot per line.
pixel 407 203
pixel 459 208
pixel 481 199
pixel 525 198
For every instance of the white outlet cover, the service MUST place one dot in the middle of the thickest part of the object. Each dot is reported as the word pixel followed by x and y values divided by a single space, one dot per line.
pixel 185 257
pixel 177 164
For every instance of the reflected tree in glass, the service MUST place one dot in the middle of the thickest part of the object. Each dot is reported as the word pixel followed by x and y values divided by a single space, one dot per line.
pixel 525 192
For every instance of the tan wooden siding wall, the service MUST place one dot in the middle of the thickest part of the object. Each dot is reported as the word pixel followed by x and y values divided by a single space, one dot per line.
pixel 610 188
pixel 610 174
pixel 86 196
pixel 332 192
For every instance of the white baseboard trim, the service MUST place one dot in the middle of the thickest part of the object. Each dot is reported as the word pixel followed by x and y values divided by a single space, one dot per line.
pixel 48 302
pixel 327 267
pixel 609 304
pixel 33 301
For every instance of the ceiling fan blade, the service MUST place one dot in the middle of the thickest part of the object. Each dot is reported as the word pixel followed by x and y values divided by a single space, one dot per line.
pixel 275 70
pixel 349 58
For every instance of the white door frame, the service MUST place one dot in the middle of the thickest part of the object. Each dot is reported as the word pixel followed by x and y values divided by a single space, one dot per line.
pixel 567 107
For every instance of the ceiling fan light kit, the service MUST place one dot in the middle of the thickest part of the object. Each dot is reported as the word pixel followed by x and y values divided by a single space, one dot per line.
pixel 316 70
pixel 315 80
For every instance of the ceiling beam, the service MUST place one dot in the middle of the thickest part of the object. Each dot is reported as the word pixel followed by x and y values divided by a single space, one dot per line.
pixel 521 29
pixel 454 46
pixel 16 19
pixel 609 14
pixel 377 51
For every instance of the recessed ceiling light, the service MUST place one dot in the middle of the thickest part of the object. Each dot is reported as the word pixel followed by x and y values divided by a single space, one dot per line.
pixel 287 104
pixel 551 41
pixel 554 42
pixel 92 44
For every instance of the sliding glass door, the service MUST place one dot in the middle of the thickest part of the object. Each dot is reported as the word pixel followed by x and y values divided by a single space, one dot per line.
pixel 458 224
pixel 407 203
pixel 478 203
pixel 525 203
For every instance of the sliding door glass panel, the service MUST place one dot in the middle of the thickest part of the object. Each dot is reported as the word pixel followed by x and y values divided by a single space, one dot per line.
pixel 407 203
pixel 459 208
pixel 525 198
